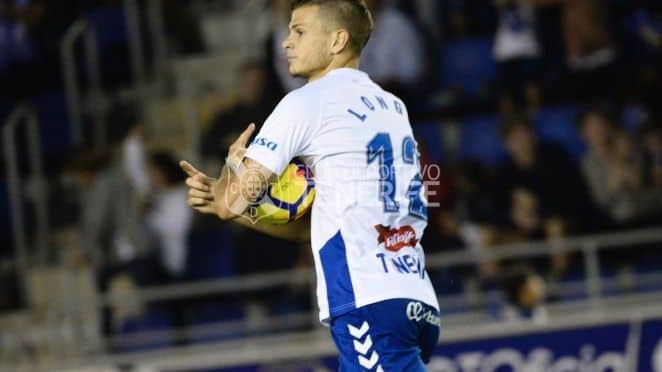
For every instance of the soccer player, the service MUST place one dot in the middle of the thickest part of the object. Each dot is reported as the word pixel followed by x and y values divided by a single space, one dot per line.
pixel 369 211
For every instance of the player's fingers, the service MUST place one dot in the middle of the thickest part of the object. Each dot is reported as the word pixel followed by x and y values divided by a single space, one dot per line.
pixel 203 179
pixel 195 183
pixel 245 135
pixel 200 194
pixel 197 202
pixel 188 168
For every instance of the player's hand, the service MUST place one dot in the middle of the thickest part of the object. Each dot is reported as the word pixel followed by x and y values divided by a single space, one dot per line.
pixel 200 186
pixel 238 147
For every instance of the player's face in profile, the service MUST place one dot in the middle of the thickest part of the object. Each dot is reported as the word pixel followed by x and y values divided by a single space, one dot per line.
pixel 308 43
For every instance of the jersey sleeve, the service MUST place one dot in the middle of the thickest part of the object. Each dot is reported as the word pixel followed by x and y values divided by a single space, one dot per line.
pixel 285 134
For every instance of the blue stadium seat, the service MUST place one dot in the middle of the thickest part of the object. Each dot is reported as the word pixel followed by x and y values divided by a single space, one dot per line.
pixel 467 65
pixel 215 312
pixel 110 26
pixel 151 320
pixel 480 140
pixel 53 122
pixel 557 124
pixel 429 135
pixel 632 118
pixel 211 254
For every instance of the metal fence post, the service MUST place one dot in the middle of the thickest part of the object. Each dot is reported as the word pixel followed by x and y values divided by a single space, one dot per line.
pixel 27 115
pixel 156 26
pixel 96 101
pixel 70 81
pixel 135 43
pixel 592 266
pixel 40 186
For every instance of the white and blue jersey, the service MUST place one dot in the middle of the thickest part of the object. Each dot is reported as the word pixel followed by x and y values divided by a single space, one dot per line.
pixel 370 210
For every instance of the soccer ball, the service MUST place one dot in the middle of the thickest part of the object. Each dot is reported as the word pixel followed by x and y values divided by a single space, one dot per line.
pixel 287 199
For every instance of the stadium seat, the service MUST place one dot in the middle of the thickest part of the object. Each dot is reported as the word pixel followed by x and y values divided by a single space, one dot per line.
pixel 557 124
pixel 217 313
pixel 480 140
pixel 632 118
pixel 53 122
pixel 467 65
pixel 211 254
pixel 110 26
pixel 429 135
pixel 152 320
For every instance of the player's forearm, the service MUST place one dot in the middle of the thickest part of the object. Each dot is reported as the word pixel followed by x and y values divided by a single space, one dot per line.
pixel 297 231
pixel 223 197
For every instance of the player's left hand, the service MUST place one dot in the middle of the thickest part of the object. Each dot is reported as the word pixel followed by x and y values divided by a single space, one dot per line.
pixel 238 148
pixel 200 196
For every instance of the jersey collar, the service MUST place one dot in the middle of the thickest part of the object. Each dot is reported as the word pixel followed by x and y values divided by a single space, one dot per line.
pixel 347 71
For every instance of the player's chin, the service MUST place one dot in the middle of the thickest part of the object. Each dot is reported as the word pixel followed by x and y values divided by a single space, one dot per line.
pixel 297 72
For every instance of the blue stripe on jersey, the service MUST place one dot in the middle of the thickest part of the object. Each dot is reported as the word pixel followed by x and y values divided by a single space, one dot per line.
pixel 339 290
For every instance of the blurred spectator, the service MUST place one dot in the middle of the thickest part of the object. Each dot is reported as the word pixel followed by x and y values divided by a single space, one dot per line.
pixel 461 19
pixel 651 137
pixel 517 52
pixel 545 169
pixel 588 40
pixel 424 12
pixel 590 50
pixel 168 215
pixel 614 170
pixel 182 29
pixel 15 41
pixel 255 101
pixel 275 54
pixel 649 28
pixel 540 190
pixel 394 54
pixel 111 230
pixel 525 295
pixel 474 202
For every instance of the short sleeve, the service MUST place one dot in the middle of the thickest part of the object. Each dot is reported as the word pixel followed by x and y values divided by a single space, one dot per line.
pixel 285 134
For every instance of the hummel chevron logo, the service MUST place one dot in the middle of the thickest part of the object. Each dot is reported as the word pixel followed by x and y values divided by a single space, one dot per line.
pixel 358 332
pixel 364 347
pixel 369 363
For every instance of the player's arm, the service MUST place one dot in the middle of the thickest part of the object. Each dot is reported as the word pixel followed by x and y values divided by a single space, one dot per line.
pixel 240 183
pixel 296 231
pixel 201 199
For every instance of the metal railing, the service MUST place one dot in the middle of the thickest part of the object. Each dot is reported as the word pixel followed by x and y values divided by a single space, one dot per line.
pixel 587 245
pixel 27 116
pixel 94 94
pixel 314 344
pixel 135 44
pixel 156 31
pixel 597 303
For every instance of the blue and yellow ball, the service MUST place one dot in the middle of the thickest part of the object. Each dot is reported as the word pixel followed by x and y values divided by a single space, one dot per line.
pixel 288 198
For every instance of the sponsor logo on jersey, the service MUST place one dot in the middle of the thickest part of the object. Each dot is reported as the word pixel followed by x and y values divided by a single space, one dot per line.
pixel 396 239
pixel 417 312
pixel 266 143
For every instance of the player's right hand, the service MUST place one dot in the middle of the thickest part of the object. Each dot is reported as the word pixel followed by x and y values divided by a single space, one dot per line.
pixel 200 196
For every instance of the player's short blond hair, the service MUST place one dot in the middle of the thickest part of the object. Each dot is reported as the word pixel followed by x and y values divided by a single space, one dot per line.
pixel 353 15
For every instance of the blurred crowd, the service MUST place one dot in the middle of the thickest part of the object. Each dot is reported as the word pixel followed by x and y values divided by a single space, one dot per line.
pixel 124 209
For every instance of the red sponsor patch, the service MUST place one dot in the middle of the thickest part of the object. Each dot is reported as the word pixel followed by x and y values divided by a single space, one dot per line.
pixel 396 239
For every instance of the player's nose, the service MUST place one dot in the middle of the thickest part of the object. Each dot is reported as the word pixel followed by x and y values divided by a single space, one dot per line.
pixel 286 43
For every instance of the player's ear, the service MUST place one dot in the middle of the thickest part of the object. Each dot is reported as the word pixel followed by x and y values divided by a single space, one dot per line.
pixel 339 41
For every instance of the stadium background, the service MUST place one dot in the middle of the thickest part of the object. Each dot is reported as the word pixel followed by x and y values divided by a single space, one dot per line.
pixel 539 126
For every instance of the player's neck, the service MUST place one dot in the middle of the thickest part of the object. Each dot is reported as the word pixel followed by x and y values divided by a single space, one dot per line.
pixel 334 65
